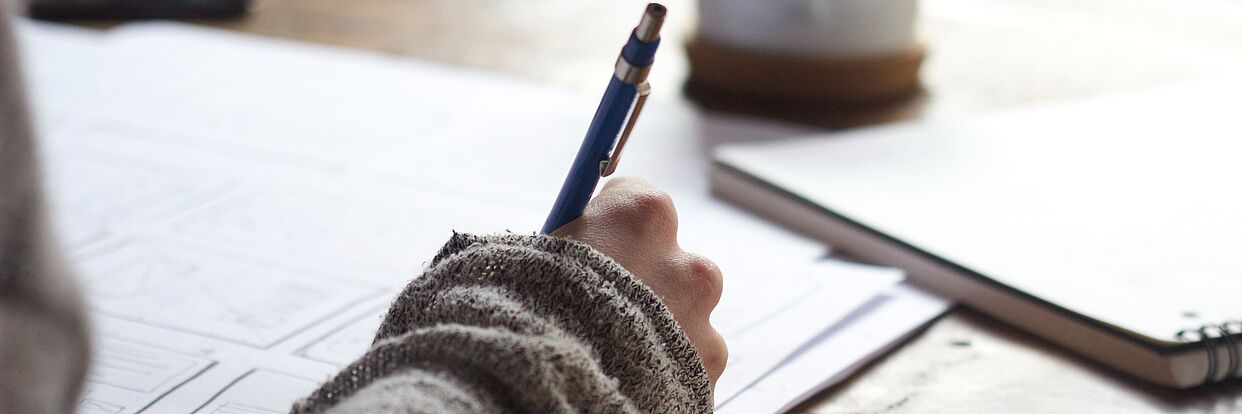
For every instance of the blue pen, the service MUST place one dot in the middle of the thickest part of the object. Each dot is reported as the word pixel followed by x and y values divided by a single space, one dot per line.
pixel 613 122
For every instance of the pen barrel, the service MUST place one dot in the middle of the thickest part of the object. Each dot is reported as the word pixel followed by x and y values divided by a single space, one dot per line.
pixel 639 53
pixel 584 174
pixel 610 118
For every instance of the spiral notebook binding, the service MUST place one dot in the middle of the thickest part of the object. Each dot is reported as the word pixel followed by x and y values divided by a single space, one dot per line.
pixel 1228 335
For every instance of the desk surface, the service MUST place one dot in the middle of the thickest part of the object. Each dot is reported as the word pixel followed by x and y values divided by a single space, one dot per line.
pixel 985 55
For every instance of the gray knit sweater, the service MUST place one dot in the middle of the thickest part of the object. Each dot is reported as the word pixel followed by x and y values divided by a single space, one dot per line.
pixel 522 324
pixel 502 323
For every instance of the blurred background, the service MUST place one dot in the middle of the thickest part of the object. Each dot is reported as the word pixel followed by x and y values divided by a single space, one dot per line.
pixel 979 56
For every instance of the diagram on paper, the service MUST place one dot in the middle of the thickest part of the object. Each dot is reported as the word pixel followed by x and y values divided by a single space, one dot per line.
pixel 126 377
pixel 396 239
pixel 106 192
pixel 242 301
pixel 259 392
pixel 347 343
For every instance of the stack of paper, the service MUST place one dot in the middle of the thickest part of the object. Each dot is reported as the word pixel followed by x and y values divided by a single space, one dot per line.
pixel 242 210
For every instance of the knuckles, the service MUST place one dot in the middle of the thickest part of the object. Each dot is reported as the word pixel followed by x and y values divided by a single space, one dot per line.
pixel 646 210
pixel 715 356
pixel 704 278
pixel 690 284
pixel 707 276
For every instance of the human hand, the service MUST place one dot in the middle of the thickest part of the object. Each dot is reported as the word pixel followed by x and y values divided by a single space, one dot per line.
pixel 635 224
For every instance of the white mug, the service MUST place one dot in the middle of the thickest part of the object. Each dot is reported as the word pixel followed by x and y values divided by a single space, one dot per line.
pixel 834 28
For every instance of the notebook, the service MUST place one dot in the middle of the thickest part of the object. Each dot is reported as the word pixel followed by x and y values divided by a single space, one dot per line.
pixel 1112 227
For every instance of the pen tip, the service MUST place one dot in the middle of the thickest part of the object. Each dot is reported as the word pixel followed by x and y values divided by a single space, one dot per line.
pixel 648 29
pixel 656 9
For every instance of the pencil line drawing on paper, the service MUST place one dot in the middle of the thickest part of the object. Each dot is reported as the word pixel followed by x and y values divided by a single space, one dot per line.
pixel 126 377
pixel 348 342
pixel 258 391
pixel 245 302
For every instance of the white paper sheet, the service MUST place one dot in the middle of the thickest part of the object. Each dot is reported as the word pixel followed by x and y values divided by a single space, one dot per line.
pixel 241 210
pixel 763 329
pixel 840 351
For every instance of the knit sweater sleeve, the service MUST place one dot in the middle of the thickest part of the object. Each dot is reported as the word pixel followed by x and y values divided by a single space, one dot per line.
pixel 512 323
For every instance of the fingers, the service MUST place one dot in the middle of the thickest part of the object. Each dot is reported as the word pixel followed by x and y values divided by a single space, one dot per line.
pixel 637 209
pixel 636 224
pixel 692 289
pixel 630 221
pixel 695 276
pixel 715 355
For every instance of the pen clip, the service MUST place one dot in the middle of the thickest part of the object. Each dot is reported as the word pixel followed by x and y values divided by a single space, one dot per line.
pixel 609 166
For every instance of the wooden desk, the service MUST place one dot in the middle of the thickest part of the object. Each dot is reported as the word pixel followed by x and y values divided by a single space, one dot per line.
pixel 985 55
